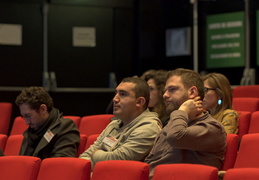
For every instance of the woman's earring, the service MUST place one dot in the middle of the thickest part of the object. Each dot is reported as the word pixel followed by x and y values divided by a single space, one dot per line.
pixel 219 102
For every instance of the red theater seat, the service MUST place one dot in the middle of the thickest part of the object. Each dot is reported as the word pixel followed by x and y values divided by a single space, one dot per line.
pixel 231 151
pixel 81 148
pixel 243 122
pixel 19 167
pixel 246 91
pixel 248 155
pixel 5 117
pixel 250 104
pixel 13 145
pixel 254 123
pixel 94 124
pixel 3 139
pixel 90 140
pixel 185 172
pixel 76 119
pixel 18 126
pixel 242 174
pixel 65 168
pixel 120 169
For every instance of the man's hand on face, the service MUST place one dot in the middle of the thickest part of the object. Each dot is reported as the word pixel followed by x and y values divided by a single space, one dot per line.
pixel 193 107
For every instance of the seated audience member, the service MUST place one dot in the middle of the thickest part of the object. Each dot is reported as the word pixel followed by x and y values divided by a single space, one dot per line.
pixel 131 136
pixel 156 83
pixel 109 109
pixel 218 101
pixel 148 72
pixel 49 134
pixel 191 135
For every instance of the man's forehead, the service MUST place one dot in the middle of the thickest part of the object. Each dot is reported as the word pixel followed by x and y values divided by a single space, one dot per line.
pixel 173 80
pixel 126 86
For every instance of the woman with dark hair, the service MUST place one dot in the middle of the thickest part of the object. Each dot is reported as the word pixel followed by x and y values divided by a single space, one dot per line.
pixel 156 82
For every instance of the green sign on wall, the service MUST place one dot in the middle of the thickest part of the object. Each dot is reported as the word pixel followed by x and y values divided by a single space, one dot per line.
pixel 225 40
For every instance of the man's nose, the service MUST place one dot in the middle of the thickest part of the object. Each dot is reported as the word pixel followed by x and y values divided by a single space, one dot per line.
pixel 165 95
pixel 27 122
pixel 116 98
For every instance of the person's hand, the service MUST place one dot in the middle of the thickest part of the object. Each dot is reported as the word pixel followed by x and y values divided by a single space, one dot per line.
pixel 193 107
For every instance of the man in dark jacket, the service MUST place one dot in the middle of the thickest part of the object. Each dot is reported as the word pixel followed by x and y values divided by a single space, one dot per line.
pixel 48 134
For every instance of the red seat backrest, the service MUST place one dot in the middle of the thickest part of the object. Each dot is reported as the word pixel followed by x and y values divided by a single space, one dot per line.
pixel 246 104
pixel 18 126
pixel 3 139
pixel 242 174
pixel 185 171
pixel 243 122
pixel 19 167
pixel 248 152
pixel 65 168
pixel 5 117
pixel 90 140
pixel 81 148
pixel 231 151
pixel 246 91
pixel 120 169
pixel 76 119
pixel 94 124
pixel 13 145
pixel 254 123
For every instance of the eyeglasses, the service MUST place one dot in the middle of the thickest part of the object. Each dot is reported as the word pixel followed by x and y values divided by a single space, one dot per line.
pixel 207 89
pixel 26 116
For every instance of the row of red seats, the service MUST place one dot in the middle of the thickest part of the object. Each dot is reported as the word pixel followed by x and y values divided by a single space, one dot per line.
pixel 245 98
pixel 32 168
pixel 85 124
pixel 92 124
pixel 233 148
pixel 11 145
pixel 89 126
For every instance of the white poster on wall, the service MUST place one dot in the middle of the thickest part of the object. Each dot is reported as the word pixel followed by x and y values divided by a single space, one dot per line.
pixel 84 37
pixel 11 34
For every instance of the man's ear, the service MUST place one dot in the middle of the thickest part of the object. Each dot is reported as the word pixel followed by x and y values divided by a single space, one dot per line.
pixel 43 108
pixel 140 102
pixel 193 92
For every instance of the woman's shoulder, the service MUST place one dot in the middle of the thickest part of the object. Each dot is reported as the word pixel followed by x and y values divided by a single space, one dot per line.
pixel 230 111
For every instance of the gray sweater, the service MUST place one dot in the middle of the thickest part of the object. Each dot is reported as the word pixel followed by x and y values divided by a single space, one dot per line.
pixel 131 142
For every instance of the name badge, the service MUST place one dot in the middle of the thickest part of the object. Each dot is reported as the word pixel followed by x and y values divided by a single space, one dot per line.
pixel 110 141
pixel 48 135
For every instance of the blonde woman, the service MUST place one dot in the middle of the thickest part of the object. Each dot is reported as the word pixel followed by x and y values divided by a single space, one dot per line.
pixel 218 101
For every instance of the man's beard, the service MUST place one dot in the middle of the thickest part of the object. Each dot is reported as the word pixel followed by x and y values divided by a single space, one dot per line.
pixel 170 108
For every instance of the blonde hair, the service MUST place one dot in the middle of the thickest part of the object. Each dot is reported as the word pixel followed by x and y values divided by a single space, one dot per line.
pixel 223 88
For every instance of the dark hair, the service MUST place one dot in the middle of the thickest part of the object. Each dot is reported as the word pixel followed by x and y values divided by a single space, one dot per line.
pixel 35 97
pixel 141 88
pixel 189 78
pixel 159 78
